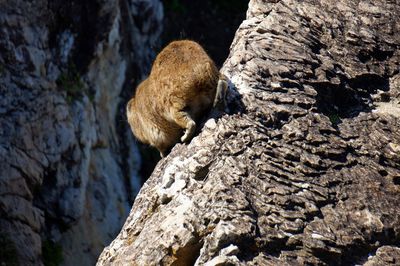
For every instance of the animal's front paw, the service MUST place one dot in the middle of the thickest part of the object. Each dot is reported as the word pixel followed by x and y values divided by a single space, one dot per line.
pixel 191 127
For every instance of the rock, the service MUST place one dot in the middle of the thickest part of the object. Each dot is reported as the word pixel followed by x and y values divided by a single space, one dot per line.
pixel 304 170
pixel 67 169
pixel 385 255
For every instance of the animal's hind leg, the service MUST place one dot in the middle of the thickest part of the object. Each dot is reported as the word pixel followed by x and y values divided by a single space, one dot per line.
pixel 184 120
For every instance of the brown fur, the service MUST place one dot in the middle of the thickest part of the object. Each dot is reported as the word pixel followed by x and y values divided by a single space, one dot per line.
pixel 180 89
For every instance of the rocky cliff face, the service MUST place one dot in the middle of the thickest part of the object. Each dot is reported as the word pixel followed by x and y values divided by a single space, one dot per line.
pixel 305 170
pixel 68 164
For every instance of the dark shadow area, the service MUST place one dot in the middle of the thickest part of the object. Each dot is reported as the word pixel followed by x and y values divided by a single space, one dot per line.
pixel 234 101
pixel 232 104
pixel 377 54
pixel 8 251
pixel 82 19
pixel 356 253
pixel 350 97
pixel 211 23
pixel 150 158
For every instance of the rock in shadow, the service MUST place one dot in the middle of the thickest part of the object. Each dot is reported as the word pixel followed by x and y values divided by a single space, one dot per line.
pixel 231 104
pixel 350 97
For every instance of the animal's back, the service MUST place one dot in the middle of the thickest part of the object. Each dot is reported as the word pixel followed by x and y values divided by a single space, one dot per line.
pixel 184 70
pixel 179 90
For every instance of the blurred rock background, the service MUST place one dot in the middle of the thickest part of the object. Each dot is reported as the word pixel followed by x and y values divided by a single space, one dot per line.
pixel 69 166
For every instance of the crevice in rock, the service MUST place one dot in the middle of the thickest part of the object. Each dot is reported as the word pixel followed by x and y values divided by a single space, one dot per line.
pixel 367 84
pixel 203 172
pixel 188 254
pixel 380 55
pixel 396 180
pixel 350 97
pixel 357 252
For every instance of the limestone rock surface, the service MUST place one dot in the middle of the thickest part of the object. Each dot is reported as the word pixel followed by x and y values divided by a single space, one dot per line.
pixel 305 168
pixel 68 163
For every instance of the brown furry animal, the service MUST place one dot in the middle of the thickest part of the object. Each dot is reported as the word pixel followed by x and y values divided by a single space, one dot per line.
pixel 183 85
